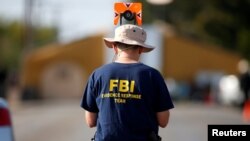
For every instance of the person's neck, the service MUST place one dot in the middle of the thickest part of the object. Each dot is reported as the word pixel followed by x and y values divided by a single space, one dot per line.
pixel 127 60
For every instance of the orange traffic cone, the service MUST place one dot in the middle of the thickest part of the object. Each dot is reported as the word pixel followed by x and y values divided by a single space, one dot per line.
pixel 246 111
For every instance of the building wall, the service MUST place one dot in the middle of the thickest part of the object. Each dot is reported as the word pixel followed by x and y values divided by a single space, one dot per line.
pixel 64 79
pixel 184 58
pixel 82 56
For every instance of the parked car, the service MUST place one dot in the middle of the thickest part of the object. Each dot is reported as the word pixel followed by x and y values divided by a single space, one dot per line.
pixel 6 129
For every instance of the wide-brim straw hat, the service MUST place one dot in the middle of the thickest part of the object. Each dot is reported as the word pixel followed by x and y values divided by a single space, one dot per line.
pixel 130 34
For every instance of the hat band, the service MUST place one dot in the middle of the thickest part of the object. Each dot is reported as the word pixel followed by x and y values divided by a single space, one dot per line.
pixel 136 39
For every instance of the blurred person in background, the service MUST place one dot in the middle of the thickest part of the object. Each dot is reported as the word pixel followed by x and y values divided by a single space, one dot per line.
pixel 126 99
pixel 244 79
pixel 3 77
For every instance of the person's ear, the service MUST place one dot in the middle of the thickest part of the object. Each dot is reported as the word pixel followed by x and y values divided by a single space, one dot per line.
pixel 115 48
pixel 140 50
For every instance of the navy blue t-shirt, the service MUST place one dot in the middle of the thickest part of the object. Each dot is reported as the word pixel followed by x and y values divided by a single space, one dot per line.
pixel 126 98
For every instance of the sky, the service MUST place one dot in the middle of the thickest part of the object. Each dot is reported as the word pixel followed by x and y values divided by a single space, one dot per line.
pixel 74 18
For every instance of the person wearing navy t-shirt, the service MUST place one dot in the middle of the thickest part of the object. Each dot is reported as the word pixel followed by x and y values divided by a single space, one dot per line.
pixel 127 100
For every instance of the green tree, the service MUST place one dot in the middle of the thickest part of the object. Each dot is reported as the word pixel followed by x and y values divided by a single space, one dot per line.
pixel 12 41
pixel 223 22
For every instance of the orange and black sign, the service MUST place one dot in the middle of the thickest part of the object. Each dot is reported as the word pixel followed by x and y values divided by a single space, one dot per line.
pixel 128 11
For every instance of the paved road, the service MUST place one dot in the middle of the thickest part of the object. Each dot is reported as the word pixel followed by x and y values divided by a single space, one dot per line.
pixel 63 120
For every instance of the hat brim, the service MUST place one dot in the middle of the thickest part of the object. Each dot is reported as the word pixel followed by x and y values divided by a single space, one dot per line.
pixel 110 41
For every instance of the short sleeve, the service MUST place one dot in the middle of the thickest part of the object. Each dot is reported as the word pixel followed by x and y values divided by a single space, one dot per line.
pixel 164 101
pixel 89 97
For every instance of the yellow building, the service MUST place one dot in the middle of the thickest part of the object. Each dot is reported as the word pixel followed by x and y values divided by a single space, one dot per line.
pixel 61 70
pixel 184 58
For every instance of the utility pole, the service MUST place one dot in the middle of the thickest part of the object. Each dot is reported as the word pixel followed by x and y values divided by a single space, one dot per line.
pixel 28 25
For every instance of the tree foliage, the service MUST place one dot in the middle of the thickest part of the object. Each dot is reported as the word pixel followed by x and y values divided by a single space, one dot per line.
pixel 12 43
pixel 223 22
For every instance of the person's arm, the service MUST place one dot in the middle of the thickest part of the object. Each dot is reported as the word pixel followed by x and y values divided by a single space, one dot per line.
pixel 91 118
pixel 163 118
